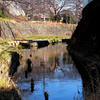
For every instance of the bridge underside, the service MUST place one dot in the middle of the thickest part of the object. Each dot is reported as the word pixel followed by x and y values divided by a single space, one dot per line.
pixel 85 41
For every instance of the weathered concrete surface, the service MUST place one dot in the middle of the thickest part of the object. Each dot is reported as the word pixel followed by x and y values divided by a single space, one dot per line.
pixel 11 30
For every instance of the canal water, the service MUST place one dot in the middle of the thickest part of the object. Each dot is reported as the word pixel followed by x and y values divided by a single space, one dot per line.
pixel 52 70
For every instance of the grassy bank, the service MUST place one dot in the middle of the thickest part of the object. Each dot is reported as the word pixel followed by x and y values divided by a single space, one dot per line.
pixel 44 37
pixel 6 84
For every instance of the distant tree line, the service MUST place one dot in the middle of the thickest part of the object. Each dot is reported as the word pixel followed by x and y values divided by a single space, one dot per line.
pixel 51 9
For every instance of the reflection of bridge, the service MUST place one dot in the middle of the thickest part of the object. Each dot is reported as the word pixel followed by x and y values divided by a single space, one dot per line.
pixel 44 51
pixel 47 56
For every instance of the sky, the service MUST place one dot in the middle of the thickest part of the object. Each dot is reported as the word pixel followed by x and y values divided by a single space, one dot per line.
pixel 85 2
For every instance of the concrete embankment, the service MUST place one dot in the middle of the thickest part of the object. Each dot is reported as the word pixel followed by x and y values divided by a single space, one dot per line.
pixel 12 30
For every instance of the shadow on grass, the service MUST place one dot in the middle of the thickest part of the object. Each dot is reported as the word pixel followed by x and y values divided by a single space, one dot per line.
pixel 9 95
pixel 14 63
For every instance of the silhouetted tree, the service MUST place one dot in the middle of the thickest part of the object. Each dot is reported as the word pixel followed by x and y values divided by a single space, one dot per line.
pixel 76 7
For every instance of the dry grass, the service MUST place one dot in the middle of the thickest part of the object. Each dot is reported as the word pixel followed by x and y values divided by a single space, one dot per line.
pixel 92 85
pixel 5 84
pixel 48 23
pixel 7 20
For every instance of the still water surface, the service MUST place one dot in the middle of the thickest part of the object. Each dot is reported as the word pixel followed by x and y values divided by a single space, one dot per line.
pixel 52 70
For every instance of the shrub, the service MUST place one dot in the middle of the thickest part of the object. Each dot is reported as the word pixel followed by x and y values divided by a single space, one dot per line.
pixel 36 18
pixel 52 19
pixel 19 47
pixel 21 16
pixel 3 15
pixel 58 19
pixel 71 21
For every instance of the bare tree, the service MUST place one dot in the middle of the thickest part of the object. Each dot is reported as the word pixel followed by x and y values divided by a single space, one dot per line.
pixel 76 7
pixel 68 16
pixel 45 7
pixel 78 10
pixel 56 7
pixel 33 7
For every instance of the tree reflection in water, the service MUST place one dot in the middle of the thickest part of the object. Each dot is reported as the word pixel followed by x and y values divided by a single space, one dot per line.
pixel 53 70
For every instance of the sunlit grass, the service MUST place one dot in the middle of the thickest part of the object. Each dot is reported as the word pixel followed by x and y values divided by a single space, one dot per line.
pixel 7 20
pixel 4 84
pixel 46 37
pixel 5 62
pixel 4 19
pixel 4 42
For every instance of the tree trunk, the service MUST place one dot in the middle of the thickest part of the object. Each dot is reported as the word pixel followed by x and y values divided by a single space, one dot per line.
pixel 55 17
pixel 2 10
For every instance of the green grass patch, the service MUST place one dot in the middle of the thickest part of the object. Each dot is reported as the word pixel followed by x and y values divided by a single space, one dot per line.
pixel 19 47
pixel 7 20
pixel 4 43
pixel 53 42
pixel 4 84
pixel 44 37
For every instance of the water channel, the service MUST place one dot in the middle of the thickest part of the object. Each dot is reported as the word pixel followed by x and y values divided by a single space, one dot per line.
pixel 52 70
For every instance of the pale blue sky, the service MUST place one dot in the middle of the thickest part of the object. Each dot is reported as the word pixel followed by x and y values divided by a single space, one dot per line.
pixel 85 2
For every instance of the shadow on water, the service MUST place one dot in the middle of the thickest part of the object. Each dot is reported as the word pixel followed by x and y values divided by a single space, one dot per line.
pixel 90 79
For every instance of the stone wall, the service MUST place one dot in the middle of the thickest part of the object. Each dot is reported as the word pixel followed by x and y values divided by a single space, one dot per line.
pixel 11 30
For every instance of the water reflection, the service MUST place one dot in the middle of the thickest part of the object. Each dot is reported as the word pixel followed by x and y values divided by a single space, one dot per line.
pixel 90 75
pixel 53 71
